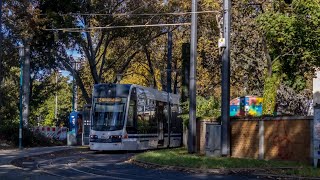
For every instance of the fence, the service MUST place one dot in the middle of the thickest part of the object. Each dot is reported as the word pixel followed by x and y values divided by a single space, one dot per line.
pixel 59 133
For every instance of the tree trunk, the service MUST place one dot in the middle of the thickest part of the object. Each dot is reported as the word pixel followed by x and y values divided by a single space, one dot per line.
pixel 185 71
pixel 78 80
pixel 126 64
pixel 268 57
pixel 271 84
pixel 150 66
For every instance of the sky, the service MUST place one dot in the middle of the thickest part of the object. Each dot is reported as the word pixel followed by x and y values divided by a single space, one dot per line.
pixel 75 55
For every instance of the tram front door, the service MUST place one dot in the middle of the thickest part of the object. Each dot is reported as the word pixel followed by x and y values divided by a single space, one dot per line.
pixel 160 120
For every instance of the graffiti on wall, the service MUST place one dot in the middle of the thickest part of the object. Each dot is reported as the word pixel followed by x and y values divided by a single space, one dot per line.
pixel 246 106
pixel 282 141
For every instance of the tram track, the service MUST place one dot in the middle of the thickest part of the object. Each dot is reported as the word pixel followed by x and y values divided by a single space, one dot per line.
pixel 92 165
pixel 87 166
pixel 75 166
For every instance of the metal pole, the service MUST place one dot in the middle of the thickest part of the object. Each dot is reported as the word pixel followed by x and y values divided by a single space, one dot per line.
pixel 56 99
pixel 75 91
pixel 169 59
pixel 192 86
pixel 225 84
pixel 1 46
pixel 26 86
pixel 21 54
pixel 73 87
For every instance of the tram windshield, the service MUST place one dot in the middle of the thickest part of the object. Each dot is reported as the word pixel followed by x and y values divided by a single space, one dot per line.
pixel 109 106
pixel 109 114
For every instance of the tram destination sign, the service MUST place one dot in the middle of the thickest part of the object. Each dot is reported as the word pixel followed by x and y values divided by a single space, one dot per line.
pixel 108 100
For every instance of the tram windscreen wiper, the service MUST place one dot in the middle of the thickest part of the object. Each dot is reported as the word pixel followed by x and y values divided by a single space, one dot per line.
pixel 106 128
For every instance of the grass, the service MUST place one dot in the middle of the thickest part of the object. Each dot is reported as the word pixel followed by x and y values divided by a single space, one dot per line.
pixel 180 157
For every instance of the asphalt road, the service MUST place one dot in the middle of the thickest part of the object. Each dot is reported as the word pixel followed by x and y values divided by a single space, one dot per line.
pixel 95 165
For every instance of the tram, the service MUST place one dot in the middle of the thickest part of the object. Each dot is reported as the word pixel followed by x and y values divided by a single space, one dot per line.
pixel 133 117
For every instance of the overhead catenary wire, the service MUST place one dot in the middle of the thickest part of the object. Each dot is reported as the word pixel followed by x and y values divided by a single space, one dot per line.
pixel 131 14
pixel 116 27
pixel 145 4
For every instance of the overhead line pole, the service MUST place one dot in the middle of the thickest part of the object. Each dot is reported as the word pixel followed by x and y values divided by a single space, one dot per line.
pixel 21 56
pixel 169 89
pixel 1 48
pixel 225 84
pixel 192 85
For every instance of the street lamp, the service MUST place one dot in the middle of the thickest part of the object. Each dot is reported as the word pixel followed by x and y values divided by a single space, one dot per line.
pixel 21 55
pixel 119 77
pixel 56 98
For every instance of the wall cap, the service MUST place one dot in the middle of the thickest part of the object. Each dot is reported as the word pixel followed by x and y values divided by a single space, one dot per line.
pixel 270 118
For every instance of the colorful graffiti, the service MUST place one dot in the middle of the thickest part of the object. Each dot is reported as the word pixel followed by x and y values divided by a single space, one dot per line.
pixel 246 106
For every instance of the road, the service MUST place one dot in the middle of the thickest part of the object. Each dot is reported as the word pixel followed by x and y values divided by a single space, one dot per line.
pixel 86 164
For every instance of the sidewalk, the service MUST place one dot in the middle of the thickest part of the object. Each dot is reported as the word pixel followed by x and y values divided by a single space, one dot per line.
pixel 6 156
pixel 8 171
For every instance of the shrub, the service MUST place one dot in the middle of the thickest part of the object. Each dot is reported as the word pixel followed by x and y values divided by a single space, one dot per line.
pixel 10 133
pixel 206 108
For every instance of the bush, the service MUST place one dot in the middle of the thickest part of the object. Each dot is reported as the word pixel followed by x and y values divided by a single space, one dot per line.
pixel 206 108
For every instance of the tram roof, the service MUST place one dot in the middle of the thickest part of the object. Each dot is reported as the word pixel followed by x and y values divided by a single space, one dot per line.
pixel 150 93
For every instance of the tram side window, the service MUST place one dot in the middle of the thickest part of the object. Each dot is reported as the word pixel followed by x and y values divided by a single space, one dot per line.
pixel 142 118
pixel 152 116
pixel 165 117
pixel 176 122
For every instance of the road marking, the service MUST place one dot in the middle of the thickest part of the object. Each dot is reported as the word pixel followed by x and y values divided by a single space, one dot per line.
pixel 113 177
pixel 113 172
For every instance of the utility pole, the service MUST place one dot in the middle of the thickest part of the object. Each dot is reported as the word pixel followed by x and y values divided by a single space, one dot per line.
pixel 192 86
pixel 21 55
pixel 56 99
pixel 74 87
pixel 169 90
pixel 225 84
pixel 26 86
pixel 1 59
pixel 1 47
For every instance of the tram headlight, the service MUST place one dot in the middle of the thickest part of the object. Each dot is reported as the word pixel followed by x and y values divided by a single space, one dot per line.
pixel 93 137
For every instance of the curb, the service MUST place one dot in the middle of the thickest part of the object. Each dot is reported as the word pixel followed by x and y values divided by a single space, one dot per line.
pixel 223 171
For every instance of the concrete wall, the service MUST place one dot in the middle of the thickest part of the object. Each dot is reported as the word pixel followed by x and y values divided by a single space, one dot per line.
pixel 280 138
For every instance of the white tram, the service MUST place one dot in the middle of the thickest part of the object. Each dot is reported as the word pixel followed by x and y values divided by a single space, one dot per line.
pixel 132 117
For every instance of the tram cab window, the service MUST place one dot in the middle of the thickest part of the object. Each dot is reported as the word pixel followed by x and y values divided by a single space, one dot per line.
pixel 132 113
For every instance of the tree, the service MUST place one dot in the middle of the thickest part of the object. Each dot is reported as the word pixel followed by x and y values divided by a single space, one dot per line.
pixel 291 45
pixel 43 104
